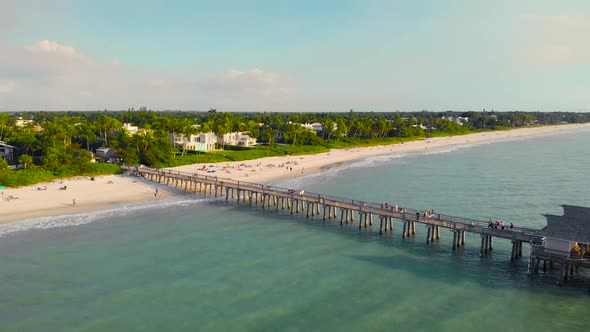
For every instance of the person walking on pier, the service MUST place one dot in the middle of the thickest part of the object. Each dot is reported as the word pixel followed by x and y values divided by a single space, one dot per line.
pixel 417 215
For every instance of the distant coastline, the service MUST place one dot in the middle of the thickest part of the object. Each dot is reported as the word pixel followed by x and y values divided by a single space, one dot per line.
pixel 113 190
pixel 274 168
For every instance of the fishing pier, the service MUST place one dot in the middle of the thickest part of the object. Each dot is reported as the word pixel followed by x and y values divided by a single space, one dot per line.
pixel 320 206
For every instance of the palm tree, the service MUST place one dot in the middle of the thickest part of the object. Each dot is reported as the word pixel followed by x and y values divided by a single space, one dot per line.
pixel 5 119
pixel 25 159
pixel 52 131
pixel 106 124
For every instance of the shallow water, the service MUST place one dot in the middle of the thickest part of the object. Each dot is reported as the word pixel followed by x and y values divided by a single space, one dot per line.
pixel 205 265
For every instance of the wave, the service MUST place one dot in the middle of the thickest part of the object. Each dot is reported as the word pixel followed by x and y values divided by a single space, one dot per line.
pixel 88 217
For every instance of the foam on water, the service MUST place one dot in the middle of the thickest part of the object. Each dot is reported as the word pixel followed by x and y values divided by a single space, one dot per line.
pixel 88 217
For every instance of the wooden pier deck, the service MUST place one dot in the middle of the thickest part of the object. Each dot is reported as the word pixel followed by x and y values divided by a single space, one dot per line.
pixel 318 205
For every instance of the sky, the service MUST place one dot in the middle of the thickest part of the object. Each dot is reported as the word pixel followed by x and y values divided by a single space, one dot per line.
pixel 295 56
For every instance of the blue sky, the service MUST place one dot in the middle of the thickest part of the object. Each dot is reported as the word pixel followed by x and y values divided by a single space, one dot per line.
pixel 312 56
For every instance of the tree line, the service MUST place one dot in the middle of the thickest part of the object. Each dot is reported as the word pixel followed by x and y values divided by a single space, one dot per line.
pixel 62 142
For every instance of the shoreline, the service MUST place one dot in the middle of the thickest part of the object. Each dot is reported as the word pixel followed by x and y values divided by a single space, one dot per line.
pixel 81 196
pixel 114 190
pixel 268 169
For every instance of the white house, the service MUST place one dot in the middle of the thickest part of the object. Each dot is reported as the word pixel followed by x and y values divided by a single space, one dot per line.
pixel 236 138
pixel 199 142
pixel 315 126
pixel 21 123
pixel 6 151
pixel 460 120
pixel 130 128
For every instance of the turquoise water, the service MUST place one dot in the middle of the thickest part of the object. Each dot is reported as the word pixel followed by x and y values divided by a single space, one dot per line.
pixel 193 264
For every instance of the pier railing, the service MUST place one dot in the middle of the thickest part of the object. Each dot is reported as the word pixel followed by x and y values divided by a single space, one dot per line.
pixel 363 206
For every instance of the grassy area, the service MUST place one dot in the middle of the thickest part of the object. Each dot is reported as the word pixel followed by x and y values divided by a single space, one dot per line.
pixel 263 151
pixel 26 177
pixel 256 152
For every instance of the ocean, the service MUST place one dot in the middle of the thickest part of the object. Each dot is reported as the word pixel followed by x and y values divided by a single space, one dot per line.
pixel 192 263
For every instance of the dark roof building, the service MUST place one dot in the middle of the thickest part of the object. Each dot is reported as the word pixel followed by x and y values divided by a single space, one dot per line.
pixel 573 225
pixel 6 151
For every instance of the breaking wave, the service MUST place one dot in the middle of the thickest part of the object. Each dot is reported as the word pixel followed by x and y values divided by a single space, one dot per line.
pixel 89 217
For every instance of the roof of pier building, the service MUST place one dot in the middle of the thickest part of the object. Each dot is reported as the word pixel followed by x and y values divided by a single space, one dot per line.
pixel 574 225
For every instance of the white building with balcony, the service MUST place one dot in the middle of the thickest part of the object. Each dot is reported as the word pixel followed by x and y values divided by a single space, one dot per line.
pixel 200 142
pixel 236 138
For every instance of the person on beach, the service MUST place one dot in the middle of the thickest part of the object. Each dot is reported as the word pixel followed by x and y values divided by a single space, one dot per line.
pixel 73 201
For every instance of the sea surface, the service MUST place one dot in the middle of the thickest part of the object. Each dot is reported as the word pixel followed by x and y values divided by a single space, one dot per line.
pixel 196 264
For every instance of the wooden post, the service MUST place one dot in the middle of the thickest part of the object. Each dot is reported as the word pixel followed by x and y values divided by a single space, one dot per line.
pixel 428 230
pixel 483 245
pixel 405 229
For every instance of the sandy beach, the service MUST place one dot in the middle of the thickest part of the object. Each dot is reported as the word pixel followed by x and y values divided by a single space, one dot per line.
pixel 273 168
pixel 81 195
pixel 84 195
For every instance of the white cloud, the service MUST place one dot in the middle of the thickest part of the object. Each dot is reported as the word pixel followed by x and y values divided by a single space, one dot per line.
pixel 558 39
pixel 254 82
pixel 54 76
pixel 7 86
pixel 52 47
pixel 552 55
